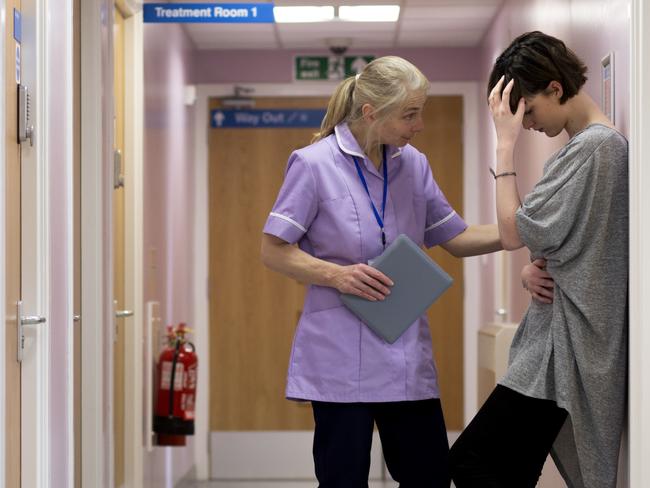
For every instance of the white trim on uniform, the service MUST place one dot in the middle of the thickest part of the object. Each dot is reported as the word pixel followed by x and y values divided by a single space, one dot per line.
pixel 288 219
pixel 353 153
pixel 345 149
pixel 440 222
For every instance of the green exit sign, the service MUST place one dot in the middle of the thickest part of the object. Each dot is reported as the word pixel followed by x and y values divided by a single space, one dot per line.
pixel 328 67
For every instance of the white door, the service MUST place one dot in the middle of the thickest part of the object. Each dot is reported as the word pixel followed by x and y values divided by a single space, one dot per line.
pixel 34 254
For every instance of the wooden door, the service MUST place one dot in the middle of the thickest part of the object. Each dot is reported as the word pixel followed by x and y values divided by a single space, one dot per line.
pixel 254 311
pixel 442 142
pixel 12 263
pixel 118 254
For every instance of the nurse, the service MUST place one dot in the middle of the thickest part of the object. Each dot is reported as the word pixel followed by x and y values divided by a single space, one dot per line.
pixel 345 197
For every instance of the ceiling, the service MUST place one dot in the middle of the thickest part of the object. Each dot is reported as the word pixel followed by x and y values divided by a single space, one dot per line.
pixel 422 23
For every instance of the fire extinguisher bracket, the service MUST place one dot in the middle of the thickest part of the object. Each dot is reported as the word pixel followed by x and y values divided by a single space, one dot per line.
pixel 173 426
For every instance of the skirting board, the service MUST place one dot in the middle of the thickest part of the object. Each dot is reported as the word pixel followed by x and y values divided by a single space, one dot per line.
pixel 275 455
pixel 272 455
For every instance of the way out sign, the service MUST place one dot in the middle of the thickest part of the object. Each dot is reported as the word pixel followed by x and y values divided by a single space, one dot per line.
pixel 193 13
pixel 265 119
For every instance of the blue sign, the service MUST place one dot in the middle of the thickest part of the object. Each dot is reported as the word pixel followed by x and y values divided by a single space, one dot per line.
pixel 265 119
pixel 208 13
pixel 18 27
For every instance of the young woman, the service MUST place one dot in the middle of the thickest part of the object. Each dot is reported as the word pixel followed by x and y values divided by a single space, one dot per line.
pixel 564 391
pixel 344 198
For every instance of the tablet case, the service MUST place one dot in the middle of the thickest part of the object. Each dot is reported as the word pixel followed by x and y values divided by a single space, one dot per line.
pixel 418 282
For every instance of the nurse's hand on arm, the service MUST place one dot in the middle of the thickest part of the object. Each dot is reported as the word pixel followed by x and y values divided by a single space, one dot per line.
pixel 537 281
pixel 357 279
pixel 475 240
pixel 508 127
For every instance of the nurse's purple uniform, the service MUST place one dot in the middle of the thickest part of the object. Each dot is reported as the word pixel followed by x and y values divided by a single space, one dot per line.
pixel 324 207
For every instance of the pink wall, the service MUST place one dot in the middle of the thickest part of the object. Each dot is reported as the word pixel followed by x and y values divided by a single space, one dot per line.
pixel 168 190
pixel 223 66
pixel 592 28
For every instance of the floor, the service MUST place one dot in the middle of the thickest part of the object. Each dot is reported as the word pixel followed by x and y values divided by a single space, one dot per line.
pixel 274 484
pixel 285 483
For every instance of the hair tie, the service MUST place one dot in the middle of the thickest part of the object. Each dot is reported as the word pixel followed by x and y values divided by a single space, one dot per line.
pixel 357 76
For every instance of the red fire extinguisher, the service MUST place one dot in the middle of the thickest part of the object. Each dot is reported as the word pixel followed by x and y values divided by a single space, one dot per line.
pixel 177 374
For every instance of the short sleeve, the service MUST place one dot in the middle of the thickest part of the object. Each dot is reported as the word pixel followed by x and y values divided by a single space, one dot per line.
pixel 557 209
pixel 296 205
pixel 442 222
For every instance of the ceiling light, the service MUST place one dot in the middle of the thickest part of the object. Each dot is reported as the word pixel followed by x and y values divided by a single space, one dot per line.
pixel 303 14
pixel 369 13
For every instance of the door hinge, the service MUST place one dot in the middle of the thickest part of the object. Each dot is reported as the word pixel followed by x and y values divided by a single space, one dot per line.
pixel 118 179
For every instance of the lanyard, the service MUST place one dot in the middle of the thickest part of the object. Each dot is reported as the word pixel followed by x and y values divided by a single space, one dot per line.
pixel 380 220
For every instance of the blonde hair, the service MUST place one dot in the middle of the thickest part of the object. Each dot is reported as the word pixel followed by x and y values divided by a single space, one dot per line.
pixel 385 83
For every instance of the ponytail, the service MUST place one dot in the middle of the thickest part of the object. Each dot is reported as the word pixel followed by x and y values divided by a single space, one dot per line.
pixel 338 108
pixel 385 83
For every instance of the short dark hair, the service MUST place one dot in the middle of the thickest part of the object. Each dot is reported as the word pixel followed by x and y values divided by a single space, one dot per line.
pixel 534 59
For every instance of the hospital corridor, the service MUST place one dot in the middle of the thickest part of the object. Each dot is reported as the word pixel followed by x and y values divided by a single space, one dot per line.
pixel 203 204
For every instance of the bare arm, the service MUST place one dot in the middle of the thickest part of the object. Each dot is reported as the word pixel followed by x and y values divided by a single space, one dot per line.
pixel 508 200
pixel 357 279
pixel 508 127
pixel 476 239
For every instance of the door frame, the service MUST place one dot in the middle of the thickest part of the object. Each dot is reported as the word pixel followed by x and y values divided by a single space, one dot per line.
pixel 134 240
pixel 3 326
pixel 96 193
pixel 96 274
pixel 639 363
pixel 35 287
pixel 472 266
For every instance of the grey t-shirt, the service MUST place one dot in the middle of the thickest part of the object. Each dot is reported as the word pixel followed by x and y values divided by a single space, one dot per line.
pixel 574 351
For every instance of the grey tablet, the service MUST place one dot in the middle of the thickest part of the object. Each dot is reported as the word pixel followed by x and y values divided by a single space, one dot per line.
pixel 418 282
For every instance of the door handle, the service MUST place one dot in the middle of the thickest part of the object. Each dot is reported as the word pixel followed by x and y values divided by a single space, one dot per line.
pixel 22 321
pixel 119 314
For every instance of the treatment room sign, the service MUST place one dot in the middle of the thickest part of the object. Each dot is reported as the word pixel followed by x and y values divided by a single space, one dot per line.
pixel 208 13
pixel 265 119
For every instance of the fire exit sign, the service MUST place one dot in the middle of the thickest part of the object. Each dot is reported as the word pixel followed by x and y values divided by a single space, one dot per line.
pixel 328 67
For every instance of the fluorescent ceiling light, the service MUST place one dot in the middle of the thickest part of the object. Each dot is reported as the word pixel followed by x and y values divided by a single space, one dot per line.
pixel 303 14
pixel 369 13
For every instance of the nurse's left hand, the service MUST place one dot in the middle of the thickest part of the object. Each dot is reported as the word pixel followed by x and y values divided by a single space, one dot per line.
pixel 507 124
pixel 363 281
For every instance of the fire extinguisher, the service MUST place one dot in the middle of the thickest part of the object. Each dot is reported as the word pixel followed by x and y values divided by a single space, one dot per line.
pixel 177 375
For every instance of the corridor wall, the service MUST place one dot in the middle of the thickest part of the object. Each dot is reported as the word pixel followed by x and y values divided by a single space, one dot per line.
pixel 168 190
pixel 593 29
pixel 242 66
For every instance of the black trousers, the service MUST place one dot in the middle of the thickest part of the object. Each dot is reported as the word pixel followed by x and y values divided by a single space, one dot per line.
pixel 506 444
pixel 413 438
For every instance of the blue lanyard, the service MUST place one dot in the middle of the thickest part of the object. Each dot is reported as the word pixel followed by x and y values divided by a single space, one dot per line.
pixel 380 220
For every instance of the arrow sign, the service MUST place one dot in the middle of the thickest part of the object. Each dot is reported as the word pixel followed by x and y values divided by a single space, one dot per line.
pixel 267 119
